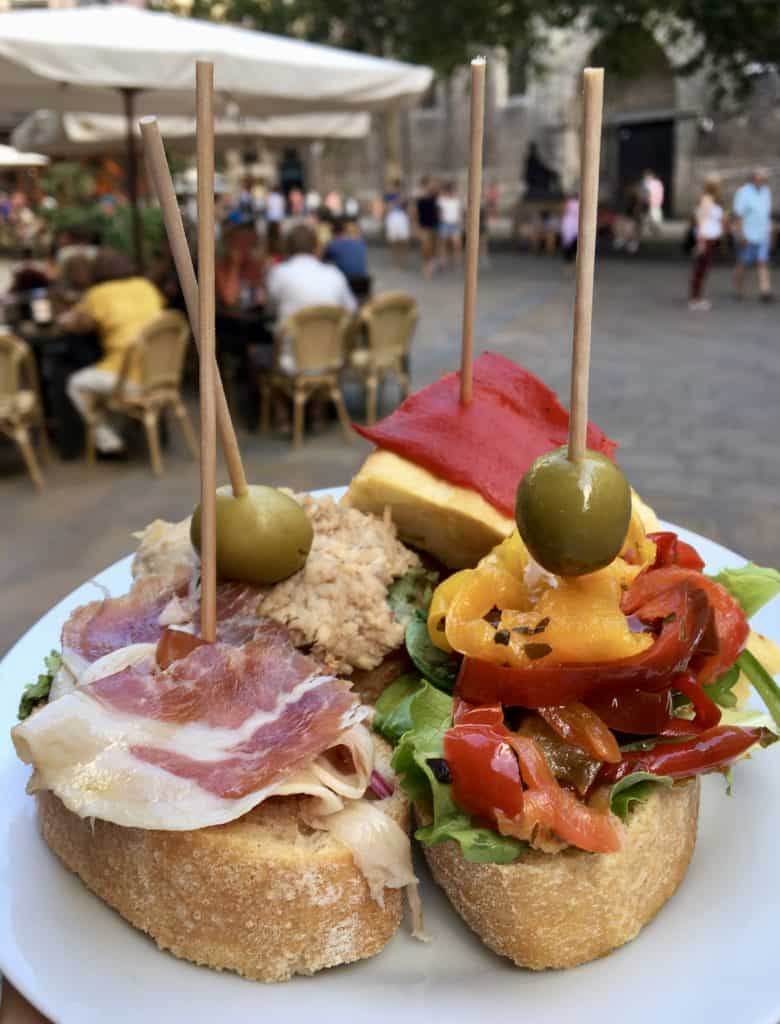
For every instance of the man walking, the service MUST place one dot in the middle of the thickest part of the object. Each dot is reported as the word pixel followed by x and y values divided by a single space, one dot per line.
pixel 753 225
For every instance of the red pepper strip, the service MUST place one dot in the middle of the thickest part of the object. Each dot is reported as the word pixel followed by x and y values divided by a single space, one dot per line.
pixel 708 713
pixel 175 644
pixel 581 727
pixel 670 550
pixel 486 782
pixel 704 753
pixel 685 613
pixel 730 622
pixel 558 810
pixel 484 714
pixel 636 711
pixel 484 770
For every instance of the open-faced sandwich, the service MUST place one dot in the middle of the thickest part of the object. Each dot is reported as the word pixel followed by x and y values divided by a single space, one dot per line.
pixel 555 727
pixel 230 799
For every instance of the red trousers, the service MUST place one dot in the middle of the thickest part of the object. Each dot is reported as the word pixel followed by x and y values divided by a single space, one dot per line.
pixel 702 261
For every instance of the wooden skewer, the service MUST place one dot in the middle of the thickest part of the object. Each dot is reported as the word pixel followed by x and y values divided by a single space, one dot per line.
pixel 476 132
pixel 160 175
pixel 593 97
pixel 206 333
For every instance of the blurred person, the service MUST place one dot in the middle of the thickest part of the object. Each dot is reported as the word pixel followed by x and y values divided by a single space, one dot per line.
pixel 117 306
pixel 397 226
pixel 239 269
pixel 334 202
pixel 570 227
pixel 428 225
pixel 313 201
pixel 652 189
pixel 350 254
pixel 753 222
pixel 708 229
pixel 626 226
pixel 275 210
pixel 296 202
pixel 351 208
pixel 450 224
pixel 303 280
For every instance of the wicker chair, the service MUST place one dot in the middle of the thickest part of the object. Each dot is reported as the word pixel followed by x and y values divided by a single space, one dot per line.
pixel 388 322
pixel 317 337
pixel 160 349
pixel 21 407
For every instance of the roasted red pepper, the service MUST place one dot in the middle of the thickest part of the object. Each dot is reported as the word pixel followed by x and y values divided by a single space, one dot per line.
pixel 730 623
pixel 683 613
pixel 707 712
pixel 484 770
pixel 670 550
pixel 487 445
pixel 580 726
pixel 486 762
pixel 635 711
pixel 712 749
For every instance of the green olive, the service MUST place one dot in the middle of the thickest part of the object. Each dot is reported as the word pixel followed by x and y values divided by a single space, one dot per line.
pixel 573 516
pixel 262 537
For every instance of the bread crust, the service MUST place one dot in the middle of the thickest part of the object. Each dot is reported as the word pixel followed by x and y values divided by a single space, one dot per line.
pixel 564 909
pixel 264 896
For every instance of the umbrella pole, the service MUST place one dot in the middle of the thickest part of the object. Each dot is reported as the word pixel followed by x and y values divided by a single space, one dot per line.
pixel 128 96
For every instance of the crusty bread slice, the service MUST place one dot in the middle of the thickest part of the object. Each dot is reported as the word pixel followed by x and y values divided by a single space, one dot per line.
pixel 563 909
pixel 265 896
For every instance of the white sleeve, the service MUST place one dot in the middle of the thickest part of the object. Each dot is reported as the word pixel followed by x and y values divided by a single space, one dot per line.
pixel 346 299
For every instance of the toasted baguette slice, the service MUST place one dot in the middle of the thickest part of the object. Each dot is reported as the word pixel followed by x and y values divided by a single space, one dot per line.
pixel 265 896
pixel 564 909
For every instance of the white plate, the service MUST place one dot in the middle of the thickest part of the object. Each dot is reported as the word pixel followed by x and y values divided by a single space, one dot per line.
pixel 711 954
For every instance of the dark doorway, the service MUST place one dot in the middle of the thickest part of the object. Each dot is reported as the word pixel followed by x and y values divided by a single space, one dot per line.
pixel 647 144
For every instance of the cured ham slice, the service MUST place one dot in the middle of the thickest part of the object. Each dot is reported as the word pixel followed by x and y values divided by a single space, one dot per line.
pixel 199 744
pixel 98 628
pixel 101 627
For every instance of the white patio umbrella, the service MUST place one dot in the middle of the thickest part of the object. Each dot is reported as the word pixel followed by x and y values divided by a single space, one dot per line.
pixel 73 135
pixel 85 58
pixel 10 157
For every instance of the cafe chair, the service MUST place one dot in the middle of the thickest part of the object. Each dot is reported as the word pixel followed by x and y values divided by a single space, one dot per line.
pixel 21 407
pixel 160 349
pixel 316 338
pixel 388 323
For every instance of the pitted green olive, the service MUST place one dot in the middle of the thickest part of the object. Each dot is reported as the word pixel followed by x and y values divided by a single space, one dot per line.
pixel 573 515
pixel 262 537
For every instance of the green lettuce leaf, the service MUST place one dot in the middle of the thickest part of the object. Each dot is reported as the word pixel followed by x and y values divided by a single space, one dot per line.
pixel 428 713
pixel 411 592
pixel 762 683
pixel 635 788
pixel 721 690
pixel 38 692
pixel 393 715
pixel 752 586
pixel 431 662
pixel 750 718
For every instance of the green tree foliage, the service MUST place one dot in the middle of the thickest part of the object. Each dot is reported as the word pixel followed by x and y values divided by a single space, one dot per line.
pixel 728 39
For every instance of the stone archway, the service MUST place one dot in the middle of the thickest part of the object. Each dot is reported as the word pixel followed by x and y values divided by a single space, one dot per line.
pixel 640 112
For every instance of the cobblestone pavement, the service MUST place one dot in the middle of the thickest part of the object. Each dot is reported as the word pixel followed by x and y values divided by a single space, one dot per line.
pixel 692 399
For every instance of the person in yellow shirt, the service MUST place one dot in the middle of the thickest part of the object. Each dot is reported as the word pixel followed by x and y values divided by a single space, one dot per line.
pixel 117 306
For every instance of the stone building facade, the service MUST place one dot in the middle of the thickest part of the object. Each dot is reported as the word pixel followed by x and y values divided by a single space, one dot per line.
pixel 651 119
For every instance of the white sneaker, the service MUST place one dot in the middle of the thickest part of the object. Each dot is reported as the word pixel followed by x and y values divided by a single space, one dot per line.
pixel 107 440
pixel 700 305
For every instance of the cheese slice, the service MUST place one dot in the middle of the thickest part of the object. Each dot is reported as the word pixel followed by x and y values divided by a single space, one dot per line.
pixel 453 523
